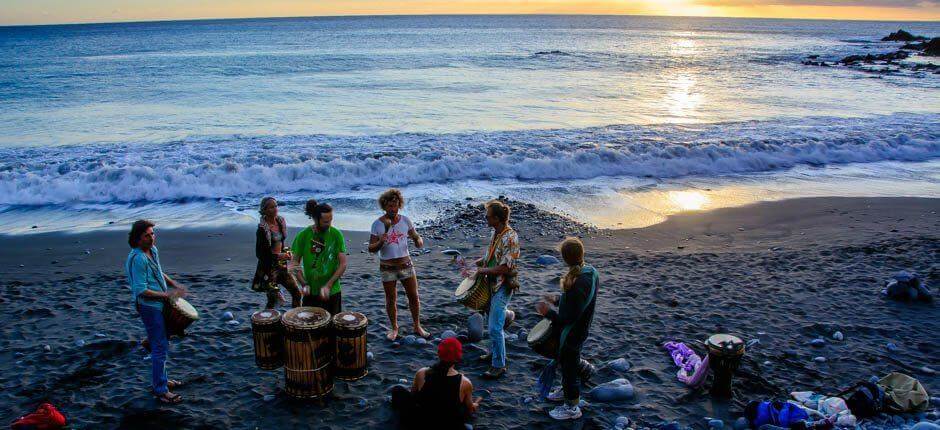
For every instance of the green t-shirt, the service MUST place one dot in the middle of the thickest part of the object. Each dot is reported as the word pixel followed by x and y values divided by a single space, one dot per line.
pixel 319 254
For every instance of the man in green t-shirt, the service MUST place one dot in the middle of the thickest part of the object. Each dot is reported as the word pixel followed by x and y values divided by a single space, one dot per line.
pixel 320 259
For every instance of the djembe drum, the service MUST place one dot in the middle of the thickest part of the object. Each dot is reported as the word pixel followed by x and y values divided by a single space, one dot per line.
pixel 308 353
pixel 473 293
pixel 268 335
pixel 178 314
pixel 724 356
pixel 349 329
pixel 543 339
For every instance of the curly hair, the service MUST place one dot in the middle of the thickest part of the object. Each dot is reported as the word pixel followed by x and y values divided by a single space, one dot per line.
pixel 137 230
pixel 498 209
pixel 388 196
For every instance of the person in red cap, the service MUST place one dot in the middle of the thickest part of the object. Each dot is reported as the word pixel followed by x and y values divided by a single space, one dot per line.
pixel 440 397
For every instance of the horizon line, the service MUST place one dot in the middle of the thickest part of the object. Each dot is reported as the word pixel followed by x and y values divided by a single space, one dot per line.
pixel 153 21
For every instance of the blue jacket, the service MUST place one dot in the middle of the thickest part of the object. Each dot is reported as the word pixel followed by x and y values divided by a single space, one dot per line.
pixel 144 273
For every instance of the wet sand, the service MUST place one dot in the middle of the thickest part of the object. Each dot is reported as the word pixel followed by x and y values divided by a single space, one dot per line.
pixel 791 270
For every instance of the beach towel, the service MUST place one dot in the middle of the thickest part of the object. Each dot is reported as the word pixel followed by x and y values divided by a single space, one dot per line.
pixel 46 417
pixel 692 368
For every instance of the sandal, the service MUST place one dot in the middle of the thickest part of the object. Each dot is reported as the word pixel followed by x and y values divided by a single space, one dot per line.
pixel 169 398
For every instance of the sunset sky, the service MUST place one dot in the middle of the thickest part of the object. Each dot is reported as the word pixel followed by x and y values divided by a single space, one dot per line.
pixel 14 12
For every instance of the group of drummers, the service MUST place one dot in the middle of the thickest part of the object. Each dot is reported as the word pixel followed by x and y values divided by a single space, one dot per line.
pixel 310 269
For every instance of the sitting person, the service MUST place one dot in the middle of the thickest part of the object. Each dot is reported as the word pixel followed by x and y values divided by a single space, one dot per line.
pixel 440 397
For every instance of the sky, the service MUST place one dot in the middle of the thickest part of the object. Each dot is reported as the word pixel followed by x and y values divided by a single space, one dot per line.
pixel 17 12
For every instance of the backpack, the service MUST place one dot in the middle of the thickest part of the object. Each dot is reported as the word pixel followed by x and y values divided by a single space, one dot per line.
pixel 866 400
pixel 780 414
pixel 903 393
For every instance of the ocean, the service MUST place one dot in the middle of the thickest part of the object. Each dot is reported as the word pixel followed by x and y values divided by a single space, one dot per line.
pixel 618 121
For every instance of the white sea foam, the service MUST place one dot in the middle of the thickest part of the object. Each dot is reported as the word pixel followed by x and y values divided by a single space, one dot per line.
pixel 223 167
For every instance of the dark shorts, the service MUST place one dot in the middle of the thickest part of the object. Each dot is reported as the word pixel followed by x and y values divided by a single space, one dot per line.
pixel 333 305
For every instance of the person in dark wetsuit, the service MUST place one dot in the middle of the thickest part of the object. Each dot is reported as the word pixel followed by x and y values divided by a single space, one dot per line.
pixel 573 318
pixel 440 397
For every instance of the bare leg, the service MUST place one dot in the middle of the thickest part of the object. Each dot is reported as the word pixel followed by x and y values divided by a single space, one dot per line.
pixel 289 283
pixel 391 303
pixel 414 304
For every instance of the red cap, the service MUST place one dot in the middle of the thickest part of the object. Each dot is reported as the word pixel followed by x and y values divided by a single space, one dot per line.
pixel 450 350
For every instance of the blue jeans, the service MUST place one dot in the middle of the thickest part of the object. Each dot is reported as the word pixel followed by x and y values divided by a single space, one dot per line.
pixel 497 319
pixel 156 335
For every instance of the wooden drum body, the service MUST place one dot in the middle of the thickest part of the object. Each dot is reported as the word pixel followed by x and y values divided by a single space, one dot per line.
pixel 349 329
pixel 544 339
pixel 308 352
pixel 178 314
pixel 724 356
pixel 474 293
pixel 268 335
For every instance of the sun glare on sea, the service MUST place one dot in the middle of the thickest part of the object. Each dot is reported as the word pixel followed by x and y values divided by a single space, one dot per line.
pixel 688 200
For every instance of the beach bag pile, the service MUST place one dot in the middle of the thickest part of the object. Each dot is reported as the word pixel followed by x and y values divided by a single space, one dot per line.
pixel 903 393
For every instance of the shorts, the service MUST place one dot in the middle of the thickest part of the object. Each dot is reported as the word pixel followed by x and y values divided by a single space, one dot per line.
pixel 392 273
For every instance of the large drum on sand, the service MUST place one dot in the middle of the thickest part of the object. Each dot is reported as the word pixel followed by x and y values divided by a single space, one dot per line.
pixel 349 329
pixel 543 339
pixel 308 352
pixel 474 293
pixel 268 335
pixel 178 314
pixel 724 356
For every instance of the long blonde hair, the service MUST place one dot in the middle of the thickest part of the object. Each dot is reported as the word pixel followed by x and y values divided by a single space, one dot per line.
pixel 572 251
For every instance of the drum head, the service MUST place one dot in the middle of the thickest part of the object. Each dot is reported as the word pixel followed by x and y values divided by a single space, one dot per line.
pixel 266 316
pixel 349 320
pixel 306 317
pixel 725 343
pixel 185 308
pixel 465 286
pixel 540 331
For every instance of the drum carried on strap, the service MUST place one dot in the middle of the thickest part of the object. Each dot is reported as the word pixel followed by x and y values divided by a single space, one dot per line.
pixel 350 331
pixel 178 314
pixel 308 352
pixel 474 293
pixel 544 339
pixel 268 335
pixel 724 356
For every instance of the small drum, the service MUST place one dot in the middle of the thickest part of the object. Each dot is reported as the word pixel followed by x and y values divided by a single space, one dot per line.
pixel 543 339
pixel 724 356
pixel 308 353
pixel 349 329
pixel 268 335
pixel 473 293
pixel 178 314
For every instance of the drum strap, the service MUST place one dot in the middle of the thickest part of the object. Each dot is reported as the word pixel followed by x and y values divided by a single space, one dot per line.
pixel 567 329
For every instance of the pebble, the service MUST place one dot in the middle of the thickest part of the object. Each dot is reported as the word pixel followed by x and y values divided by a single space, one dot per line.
pixel 370 356
pixel 716 424
pixel 233 322
pixel 523 333
pixel 546 260
pixel 672 425
pixel 475 327
pixel 925 425
pixel 47 348
pixel 616 390
pixel 447 334
pixel 768 363
pixel 622 422
pixel 268 397
pixel 421 341
pixel 80 343
pixel 512 338
pixel 817 342
pixel 620 364
pixel 409 340
pixel 228 316
pixel 741 424
pixel 838 336
pixel 928 370
pixel 362 402
pixel 819 359
pixel 891 346
pixel 402 381
pixel 100 335
pixel 228 258
pixel 527 400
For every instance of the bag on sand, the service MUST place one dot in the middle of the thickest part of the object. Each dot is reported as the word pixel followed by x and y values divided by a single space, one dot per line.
pixel 781 414
pixel 864 399
pixel 904 393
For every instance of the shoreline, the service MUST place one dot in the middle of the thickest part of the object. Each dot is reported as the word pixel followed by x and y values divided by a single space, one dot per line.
pixel 745 270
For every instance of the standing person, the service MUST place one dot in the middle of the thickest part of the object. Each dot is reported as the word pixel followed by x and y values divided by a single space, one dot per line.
pixel 440 396
pixel 320 258
pixel 499 266
pixel 390 234
pixel 573 318
pixel 272 256
pixel 149 289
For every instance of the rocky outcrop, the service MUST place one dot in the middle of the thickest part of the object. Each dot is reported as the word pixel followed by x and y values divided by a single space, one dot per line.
pixel 902 36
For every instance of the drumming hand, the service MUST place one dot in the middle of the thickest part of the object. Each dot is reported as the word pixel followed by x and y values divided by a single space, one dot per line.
pixel 541 308
pixel 324 293
pixel 476 401
pixel 284 256
pixel 550 298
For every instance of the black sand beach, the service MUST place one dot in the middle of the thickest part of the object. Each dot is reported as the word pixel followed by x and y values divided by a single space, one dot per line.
pixel 791 270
